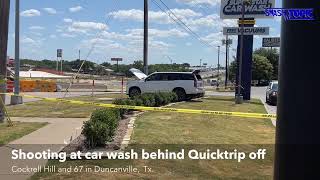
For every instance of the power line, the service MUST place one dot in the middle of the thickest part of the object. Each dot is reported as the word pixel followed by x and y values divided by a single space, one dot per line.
pixel 185 25
pixel 93 45
pixel 180 22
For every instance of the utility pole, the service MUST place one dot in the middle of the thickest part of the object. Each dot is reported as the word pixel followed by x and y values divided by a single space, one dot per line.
pixel 16 99
pixel 218 62
pixel 297 131
pixel 227 51
pixel 145 37
pixel 79 55
pixel 200 63
pixel 4 27
pixel 239 97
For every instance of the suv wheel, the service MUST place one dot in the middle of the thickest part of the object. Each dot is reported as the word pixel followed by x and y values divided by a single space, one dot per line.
pixel 181 94
pixel 134 92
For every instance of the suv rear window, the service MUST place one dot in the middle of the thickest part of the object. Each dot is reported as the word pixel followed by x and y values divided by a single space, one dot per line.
pixel 186 77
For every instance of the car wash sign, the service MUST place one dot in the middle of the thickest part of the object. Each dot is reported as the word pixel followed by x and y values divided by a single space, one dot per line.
pixel 232 9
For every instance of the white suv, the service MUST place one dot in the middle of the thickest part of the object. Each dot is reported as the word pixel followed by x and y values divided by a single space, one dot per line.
pixel 185 84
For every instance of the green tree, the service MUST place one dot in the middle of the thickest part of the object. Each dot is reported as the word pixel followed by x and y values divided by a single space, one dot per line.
pixel 138 65
pixel 262 69
pixel 233 70
pixel 106 64
pixel 272 56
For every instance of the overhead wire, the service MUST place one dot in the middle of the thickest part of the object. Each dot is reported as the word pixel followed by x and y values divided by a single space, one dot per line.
pixel 182 24
pixel 93 45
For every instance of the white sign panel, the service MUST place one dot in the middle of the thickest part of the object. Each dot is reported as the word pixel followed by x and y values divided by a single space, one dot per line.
pixel 232 9
pixel 247 31
pixel 271 42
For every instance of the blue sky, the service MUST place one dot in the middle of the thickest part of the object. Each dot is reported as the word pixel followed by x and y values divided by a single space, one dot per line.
pixel 79 24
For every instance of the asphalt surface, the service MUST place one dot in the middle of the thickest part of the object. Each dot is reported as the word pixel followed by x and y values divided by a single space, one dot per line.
pixel 53 95
pixel 260 93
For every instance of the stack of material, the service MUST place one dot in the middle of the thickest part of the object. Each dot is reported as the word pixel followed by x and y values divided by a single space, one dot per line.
pixel 38 86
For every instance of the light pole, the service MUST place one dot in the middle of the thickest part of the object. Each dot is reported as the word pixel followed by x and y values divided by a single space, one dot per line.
pixel 16 99
pixel 239 97
pixel 218 64
pixel 227 57
pixel 145 37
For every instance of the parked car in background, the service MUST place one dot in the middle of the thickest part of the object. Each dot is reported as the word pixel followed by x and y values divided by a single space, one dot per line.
pixel 260 83
pixel 214 82
pixel 272 93
pixel 185 84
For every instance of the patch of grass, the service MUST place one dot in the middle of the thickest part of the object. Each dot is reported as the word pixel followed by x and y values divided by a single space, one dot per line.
pixel 179 128
pixel 154 129
pixel 49 109
pixel 18 130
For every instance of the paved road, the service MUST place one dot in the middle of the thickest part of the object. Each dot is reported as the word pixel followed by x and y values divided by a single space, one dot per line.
pixel 260 93
pixel 53 95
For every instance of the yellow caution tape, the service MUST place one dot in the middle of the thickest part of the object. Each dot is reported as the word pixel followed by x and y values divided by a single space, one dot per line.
pixel 159 109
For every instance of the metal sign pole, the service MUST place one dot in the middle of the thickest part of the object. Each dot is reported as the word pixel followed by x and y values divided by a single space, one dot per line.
pixel 61 61
pixel 57 65
pixel 226 80
pixel 16 99
pixel 17 50
pixel 239 98
pixel 218 65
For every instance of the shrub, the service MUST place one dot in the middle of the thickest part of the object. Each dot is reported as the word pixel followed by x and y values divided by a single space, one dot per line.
pixel 174 97
pixel 96 133
pixel 169 97
pixel 129 102
pixel 101 127
pixel 148 100
pixel 155 99
pixel 121 102
pixel 138 101
pixel 160 99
